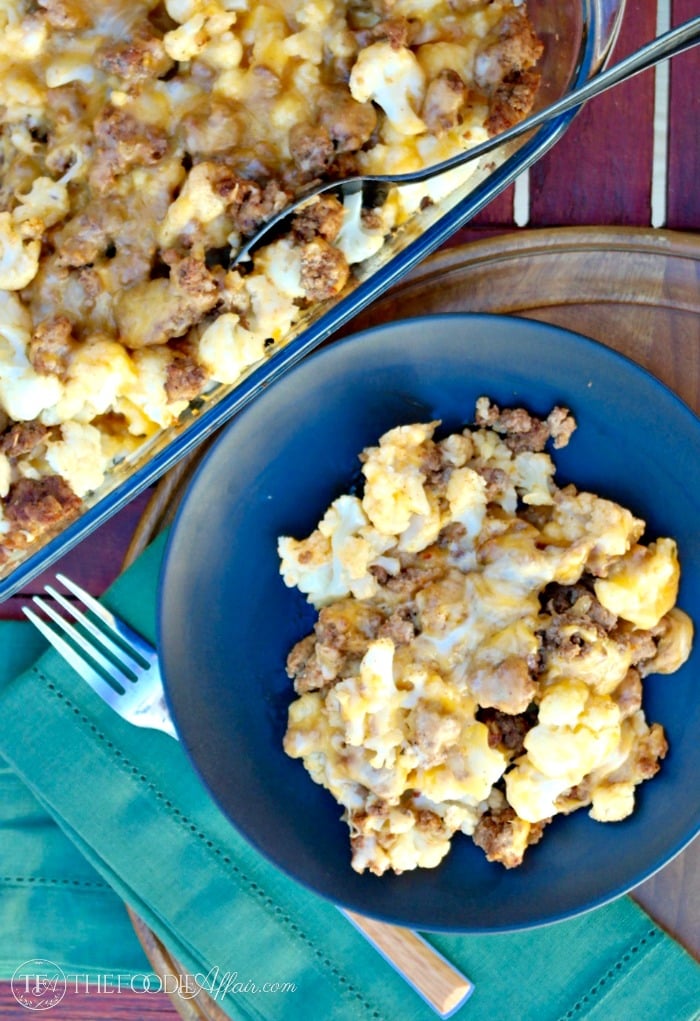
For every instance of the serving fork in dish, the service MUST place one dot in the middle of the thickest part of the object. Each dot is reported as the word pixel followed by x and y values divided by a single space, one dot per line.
pixel 667 45
pixel 123 669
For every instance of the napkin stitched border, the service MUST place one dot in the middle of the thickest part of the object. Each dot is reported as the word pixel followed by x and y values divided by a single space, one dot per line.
pixel 227 867
pixel 220 858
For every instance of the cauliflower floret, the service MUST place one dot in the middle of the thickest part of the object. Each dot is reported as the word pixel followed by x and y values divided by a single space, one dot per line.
pixel 354 543
pixel 562 703
pixel 205 35
pixel 367 704
pixel 643 585
pixel 19 255
pixel 72 65
pixel 418 849
pixel 423 528
pixel 569 753
pixel 315 12
pixel 490 449
pixel 673 645
pixel 335 559
pixel 185 43
pixel 182 10
pixel 15 327
pixel 20 94
pixel 456 449
pixel 602 662
pixel 226 349
pixel 145 397
pixel 272 312
pixel 515 562
pixel 306 45
pixel 431 150
pixel 466 496
pixel 395 482
pixel 24 394
pixel 47 201
pixel 20 41
pixel 78 457
pixel 395 157
pixel 492 453
pixel 612 802
pixel 308 736
pixel 603 528
pixel 456 817
pixel 398 839
pixel 223 53
pixel 197 204
pixel 307 565
pixel 448 56
pixel 531 794
pixel 281 264
pixel 99 371
pixel 354 240
pixel 470 771
pixel 394 80
pixel 532 476
pixel 224 50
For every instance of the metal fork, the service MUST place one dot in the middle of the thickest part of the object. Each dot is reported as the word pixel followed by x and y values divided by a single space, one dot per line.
pixel 135 691
pixel 118 664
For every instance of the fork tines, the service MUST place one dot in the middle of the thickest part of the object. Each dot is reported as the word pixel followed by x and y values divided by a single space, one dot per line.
pixel 116 662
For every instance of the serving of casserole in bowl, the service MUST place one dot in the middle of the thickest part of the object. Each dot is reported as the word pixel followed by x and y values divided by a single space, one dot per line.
pixel 142 142
pixel 434 655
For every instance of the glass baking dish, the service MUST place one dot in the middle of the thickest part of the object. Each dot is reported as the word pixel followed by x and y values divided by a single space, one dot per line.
pixel 578 37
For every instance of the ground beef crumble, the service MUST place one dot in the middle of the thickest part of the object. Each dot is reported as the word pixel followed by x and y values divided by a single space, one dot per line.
pixel 523 431
pixel 40 503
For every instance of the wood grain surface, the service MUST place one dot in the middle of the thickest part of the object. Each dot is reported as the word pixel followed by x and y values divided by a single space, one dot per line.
pixel 566 186
pixel 601 172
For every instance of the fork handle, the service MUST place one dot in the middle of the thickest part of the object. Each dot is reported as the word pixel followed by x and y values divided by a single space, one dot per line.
pixel 432 976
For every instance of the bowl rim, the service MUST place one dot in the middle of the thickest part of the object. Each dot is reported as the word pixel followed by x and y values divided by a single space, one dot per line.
pixel 334 352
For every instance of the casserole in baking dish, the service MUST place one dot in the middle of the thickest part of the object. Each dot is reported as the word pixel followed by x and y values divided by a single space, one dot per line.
pixel 142 142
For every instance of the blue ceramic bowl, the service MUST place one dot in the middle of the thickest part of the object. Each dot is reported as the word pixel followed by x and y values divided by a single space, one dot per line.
pixel 227 621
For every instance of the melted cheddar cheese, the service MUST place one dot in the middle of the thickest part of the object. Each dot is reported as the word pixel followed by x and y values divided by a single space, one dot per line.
pixel 142 141
pixel 482 634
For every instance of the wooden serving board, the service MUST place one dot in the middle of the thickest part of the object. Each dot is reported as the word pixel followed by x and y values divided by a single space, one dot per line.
pixel 637 291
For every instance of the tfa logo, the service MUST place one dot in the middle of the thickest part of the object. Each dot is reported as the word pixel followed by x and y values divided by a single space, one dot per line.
pixel 38 984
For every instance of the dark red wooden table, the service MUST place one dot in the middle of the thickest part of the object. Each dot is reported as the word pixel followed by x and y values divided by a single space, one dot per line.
pixel 608 170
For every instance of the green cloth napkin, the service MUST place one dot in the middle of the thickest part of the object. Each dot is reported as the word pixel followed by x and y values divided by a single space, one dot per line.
pixel 266 947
